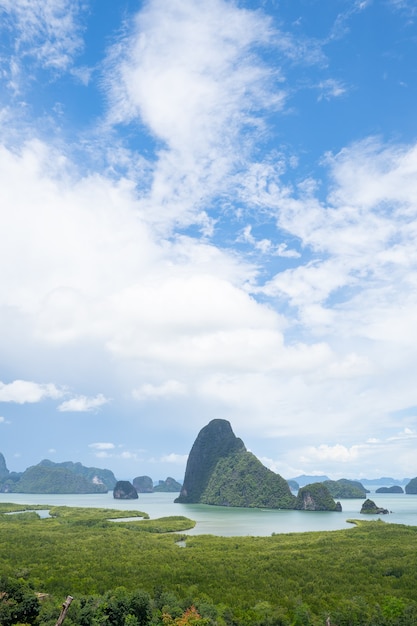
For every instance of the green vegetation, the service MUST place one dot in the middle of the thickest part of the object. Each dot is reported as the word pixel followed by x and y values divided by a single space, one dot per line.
pixel 241 480
pixel 170 485
pixel 369 507
pixel 135 573
pixel 316 497
pixel 393 489
pixel 92 474
pixel 41 479
pixel 50 477
pixel 345 488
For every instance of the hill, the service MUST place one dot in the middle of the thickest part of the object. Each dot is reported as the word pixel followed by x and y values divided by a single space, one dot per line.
pixel 345 488
pixel 220 471
pixel 316 497
pixel 241 480
pixel 41 479
pixel 170 485
pixel 304 479
pixel 50 477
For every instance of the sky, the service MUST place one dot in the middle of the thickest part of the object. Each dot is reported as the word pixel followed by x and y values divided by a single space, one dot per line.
pixel 209 210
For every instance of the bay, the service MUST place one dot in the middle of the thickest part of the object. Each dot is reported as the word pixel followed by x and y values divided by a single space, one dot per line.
pixel 230 521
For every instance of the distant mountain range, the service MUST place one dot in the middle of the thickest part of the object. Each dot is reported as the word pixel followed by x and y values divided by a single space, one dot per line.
pixel 67 477
pixel 221 450
pixel 384 481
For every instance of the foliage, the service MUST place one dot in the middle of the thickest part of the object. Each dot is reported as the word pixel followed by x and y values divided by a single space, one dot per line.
pixel 41 479
pixel 364 576
pixel 369 506
pixel 345 488
pixel 170 485
pixel 50 477
pixel 18 602
pixel 241 480
pixel 92 474
pixel 315 497
pixel 174 523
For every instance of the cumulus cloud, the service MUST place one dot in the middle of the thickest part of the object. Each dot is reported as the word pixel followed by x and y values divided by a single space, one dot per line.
pixel 24 391
pixel 83 404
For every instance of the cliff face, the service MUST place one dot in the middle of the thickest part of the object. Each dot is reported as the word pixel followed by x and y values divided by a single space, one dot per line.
pixel 220 471
pixel 214 442
pixel 411 487
pixel 3 467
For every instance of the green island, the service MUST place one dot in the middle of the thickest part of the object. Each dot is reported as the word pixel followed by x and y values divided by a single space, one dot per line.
pixel 149 572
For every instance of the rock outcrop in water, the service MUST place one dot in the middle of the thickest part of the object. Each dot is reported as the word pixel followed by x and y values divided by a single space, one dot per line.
pixel 369 507
pixel 124 490
pixel 214 442
pixel 345 488
pixel 393 489
pixel 143 484
pixel 316 497
pixel 220 471
pixel 411 487
pixel 170 485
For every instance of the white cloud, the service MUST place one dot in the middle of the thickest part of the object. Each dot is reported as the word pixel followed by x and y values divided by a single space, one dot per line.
pixel 196 87
pixel 265 246
pixel 185 319
pixel 325 453
pixel 83 404
pixel 330 88
pixel 102 446
pixel 175 459
pixel 24 391
pixel 167 389
pixel 46 31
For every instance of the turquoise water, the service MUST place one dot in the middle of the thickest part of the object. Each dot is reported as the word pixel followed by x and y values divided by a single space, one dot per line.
pixel 233 521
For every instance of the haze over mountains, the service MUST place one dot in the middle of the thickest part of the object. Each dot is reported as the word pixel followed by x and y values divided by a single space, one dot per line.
pixel 220 471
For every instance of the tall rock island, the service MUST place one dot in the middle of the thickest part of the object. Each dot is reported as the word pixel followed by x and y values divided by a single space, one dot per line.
pixel 214 442
pixel 220 471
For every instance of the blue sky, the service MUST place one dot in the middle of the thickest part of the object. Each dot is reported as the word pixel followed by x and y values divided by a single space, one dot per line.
pixel 208 211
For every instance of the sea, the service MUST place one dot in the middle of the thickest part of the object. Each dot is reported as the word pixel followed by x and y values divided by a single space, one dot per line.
pixel 231 521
